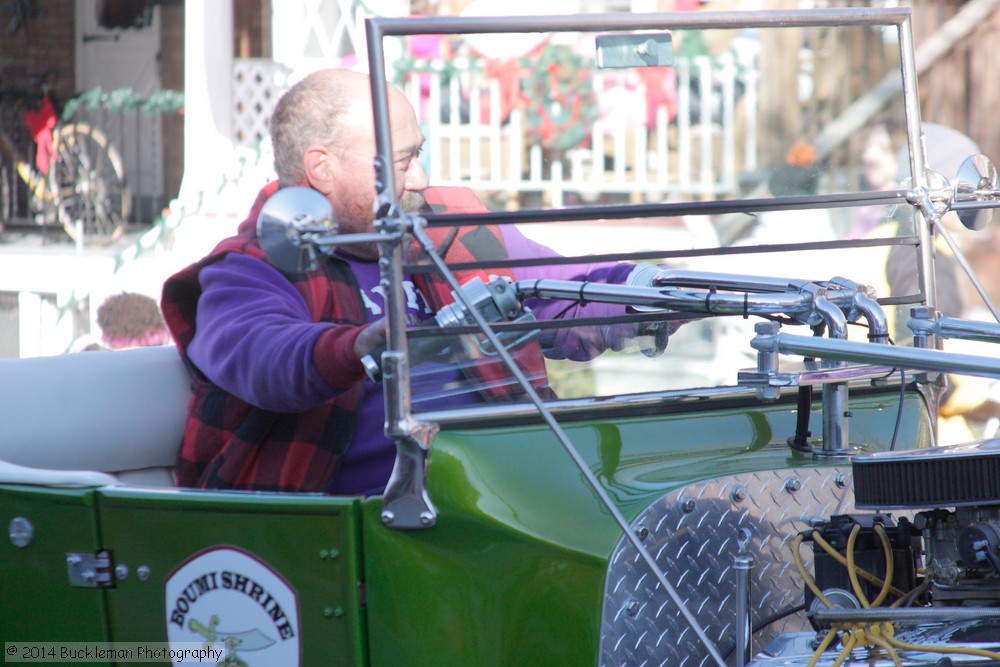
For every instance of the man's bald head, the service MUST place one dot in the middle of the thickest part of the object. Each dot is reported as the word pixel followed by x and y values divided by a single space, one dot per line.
pixel 328 107
pixel 323 136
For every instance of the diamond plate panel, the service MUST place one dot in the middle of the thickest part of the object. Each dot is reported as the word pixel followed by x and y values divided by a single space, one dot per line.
pixel 692 536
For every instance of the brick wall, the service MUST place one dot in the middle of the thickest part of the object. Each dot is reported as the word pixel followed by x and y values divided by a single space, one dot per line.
pixel 39 46
pixel 43 44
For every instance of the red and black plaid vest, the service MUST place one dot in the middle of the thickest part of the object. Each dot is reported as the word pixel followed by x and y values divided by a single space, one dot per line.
pixel 229 443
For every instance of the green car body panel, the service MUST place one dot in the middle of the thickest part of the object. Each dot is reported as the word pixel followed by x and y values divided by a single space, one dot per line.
pixel 513 572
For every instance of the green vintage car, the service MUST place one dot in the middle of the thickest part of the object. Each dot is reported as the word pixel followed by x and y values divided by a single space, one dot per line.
pixel 753 474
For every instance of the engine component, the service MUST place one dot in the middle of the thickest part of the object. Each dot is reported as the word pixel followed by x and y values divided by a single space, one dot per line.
pixel 955 476
pixel 943 606
pixel 866 551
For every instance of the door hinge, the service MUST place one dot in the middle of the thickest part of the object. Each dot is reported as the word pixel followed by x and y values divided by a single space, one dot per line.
pixel 94 570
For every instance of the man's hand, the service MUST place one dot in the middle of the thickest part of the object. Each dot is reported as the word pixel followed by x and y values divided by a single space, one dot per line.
pixel 371 339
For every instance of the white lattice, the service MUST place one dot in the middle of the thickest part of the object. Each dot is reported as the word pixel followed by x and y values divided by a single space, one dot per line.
pixel 306 33
pixel 257 85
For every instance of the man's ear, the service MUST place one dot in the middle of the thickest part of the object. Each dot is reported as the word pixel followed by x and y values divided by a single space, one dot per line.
pixel 320 167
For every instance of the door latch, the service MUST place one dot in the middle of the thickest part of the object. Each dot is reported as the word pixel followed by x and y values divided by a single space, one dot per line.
pixel 94 570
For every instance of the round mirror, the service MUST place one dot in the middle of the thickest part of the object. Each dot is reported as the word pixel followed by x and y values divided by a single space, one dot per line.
pixel 288 223
pixel 976 181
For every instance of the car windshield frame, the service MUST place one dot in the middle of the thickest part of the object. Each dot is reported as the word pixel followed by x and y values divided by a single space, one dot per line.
pixel 390 216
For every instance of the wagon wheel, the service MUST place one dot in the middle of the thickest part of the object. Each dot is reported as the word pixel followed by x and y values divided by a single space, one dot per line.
pixel 89 184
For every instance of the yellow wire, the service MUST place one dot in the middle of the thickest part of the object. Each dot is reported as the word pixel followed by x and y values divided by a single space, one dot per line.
pixel 890 565
pixel 864 574
pixel 806 577
pixel 850 641
pixel 875 635
pixel 992 655
pixel 818 653
pixel 881 635
pixel 852 570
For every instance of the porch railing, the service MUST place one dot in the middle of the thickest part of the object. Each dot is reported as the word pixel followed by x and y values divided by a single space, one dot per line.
pixel 691 140
pixel 694 142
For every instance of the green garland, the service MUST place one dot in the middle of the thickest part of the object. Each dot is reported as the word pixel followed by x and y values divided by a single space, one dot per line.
pixel 560 98
pixel 125 99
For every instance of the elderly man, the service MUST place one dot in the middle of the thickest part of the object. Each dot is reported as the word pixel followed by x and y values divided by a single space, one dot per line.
pixel 281 401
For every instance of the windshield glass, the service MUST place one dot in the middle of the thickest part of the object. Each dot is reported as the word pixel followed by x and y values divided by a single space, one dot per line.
pixel 755 149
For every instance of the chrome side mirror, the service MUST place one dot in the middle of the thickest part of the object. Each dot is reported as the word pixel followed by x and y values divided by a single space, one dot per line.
pixel 289 224
pixel 976 182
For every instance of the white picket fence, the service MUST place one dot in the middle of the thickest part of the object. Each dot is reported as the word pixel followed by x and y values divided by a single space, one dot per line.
pixel 694 154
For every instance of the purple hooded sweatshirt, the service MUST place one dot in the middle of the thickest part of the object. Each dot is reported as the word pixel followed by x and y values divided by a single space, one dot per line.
pixel 224 349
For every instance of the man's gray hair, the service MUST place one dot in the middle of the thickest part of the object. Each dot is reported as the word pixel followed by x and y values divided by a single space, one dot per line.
pixel 308 113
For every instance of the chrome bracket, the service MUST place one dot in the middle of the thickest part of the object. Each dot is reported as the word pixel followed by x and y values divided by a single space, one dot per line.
pixel 405 503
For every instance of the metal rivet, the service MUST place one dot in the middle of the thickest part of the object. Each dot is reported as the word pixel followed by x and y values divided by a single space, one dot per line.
pixel 642 532
pixel 687 505
pixel 333 612
pixel 426 518
pixel 21 532
pixel 142 572
pixel 738 494
pixel 121 571
pixel 632 607
pixel 388 517
pixel 840 480
pixel 792 485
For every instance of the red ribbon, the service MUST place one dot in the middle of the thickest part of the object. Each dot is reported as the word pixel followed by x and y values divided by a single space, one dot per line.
pixel 40 124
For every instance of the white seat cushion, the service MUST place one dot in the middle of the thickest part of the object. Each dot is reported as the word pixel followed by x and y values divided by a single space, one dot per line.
pixel 94 411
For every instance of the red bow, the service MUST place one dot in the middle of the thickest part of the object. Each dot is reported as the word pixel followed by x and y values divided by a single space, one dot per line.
pixel 40 124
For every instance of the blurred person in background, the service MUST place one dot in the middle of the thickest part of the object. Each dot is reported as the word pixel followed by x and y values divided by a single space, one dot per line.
pixel 130 320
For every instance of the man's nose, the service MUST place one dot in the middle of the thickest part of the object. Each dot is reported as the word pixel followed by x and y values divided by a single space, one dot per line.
pixel 416 178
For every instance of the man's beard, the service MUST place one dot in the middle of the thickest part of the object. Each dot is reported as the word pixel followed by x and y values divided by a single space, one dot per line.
pixel 410 202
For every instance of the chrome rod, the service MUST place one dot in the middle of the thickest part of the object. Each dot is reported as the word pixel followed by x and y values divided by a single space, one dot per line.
pixel 707 302
pixel 907 614
pixel 428 245
pixel 953 327
pixel 870 353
